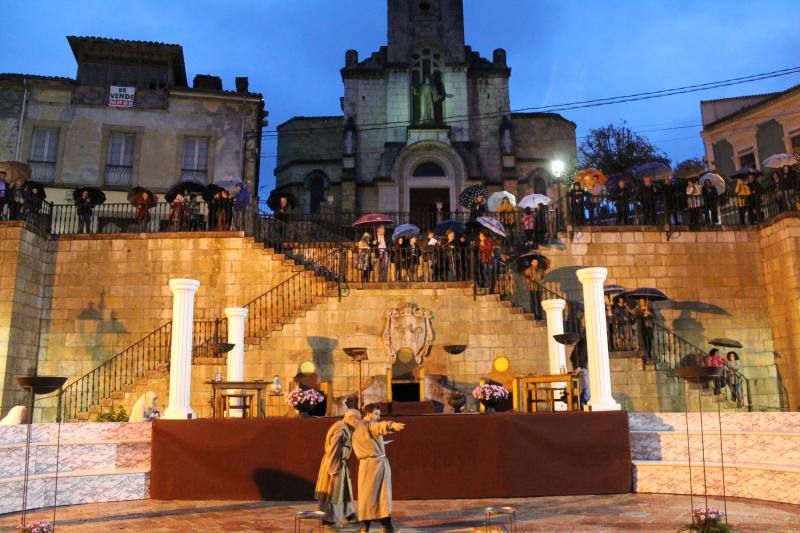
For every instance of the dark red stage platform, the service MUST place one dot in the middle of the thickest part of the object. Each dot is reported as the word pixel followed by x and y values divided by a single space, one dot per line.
pixel 436 457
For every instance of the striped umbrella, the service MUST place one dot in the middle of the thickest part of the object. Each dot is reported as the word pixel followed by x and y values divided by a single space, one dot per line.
pixel 493 225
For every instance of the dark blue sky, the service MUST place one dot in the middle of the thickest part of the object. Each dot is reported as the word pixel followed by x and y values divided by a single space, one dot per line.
pixel 559 50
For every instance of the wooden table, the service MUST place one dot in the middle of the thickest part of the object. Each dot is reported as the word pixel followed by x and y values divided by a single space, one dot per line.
pixel 529 387
pixel 218 388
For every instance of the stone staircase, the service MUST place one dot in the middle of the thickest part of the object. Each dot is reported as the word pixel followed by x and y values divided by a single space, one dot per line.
pixel 761 454
pixel 96 463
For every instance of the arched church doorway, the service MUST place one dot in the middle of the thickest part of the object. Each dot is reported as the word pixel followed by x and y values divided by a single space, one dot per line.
pixel 538 180
pixel 427 204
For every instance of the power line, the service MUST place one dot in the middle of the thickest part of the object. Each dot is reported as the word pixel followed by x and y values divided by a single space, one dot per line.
pixel 565 106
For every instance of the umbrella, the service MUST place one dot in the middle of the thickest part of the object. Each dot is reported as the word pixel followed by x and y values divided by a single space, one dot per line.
pixel 613 289
pixel 744 172
pixel 646 293
pixel 406 231
pixel 526 259
pixel 14 170
pixel 612 183
pixel 716 180
pixel 373 219
pixel 230 183
pixel 274 200
pixel 470 194
pixel 692 169
pixel 534 200
pixel 655 170
pixel 776 161
pixel 725 343
pixel 96 196
pixel 30 185
pixel 586 177
pixel 496 198
pixel 492 224
pixel 457 226
pixel 213 189
pixel 135 192
pixel 186 188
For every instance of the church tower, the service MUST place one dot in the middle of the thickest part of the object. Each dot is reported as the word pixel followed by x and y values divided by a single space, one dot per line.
pixel 435 23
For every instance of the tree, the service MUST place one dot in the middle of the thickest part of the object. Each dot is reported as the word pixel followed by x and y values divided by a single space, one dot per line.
pixel 690 167
pixel 616 149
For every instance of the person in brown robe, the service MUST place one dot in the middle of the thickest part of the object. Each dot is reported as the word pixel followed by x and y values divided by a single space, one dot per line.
pixel 374 474
pixel 334 492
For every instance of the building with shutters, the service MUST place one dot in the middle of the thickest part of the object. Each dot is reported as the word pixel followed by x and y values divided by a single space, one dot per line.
pixel 129 118
pixel 743 131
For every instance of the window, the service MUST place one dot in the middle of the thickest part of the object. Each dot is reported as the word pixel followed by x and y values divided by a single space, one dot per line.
pixel 428 170
pixel 747 160
pixel 44 154
pixel 796 144
pixel 119 165
pixel 194 166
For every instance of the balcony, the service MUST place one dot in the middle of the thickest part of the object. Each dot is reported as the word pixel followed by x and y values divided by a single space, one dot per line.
pixel 43 171
pixel 118 176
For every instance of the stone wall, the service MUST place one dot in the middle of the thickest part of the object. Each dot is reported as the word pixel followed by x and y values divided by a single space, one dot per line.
pixel 780 250
pixel 26 270
pixel 78 301
pixel 714 279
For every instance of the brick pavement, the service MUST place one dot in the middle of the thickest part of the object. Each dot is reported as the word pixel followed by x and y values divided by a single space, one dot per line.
pixel 623 512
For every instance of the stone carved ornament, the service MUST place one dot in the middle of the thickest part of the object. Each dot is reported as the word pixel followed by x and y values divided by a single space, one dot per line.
pixel 408 327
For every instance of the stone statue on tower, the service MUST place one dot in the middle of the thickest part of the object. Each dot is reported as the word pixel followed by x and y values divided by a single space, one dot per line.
pixel 428 95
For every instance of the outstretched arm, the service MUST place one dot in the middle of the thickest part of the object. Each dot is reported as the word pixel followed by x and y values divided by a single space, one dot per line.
pixel 385 428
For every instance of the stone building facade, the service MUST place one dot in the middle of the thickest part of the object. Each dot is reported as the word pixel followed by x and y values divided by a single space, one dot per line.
pixel 72 136
pixel 422 118
pixel 744 131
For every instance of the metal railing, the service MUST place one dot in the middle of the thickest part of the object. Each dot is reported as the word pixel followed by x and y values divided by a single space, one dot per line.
pixel 150 353
pixel 676 209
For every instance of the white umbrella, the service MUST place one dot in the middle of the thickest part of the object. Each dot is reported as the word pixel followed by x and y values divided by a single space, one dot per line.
pixel 496 198
pixel 716 180
pixel 779 160
pixel 534 200
pixel 492 224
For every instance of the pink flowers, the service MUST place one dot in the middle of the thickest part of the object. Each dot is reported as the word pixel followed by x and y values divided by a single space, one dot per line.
pixel 708 521
pixel 304 397
pixel 490 392
pixel 36 527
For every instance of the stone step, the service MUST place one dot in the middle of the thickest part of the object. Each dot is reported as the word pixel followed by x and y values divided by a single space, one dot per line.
pixel 77 487
pixel 778 483
pixel 737 447
pixel 771 422
pixel 89 455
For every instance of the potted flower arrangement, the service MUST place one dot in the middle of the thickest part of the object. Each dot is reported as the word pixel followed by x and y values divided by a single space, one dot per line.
pixel 305 400
pixel 42 526
pixel 490 395
pixel 708 521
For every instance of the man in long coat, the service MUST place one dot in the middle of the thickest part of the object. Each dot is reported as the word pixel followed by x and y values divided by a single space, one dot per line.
pixel 374 474
pixel 334 492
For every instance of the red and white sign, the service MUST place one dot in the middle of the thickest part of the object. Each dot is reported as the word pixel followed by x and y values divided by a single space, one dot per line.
pixel 121 96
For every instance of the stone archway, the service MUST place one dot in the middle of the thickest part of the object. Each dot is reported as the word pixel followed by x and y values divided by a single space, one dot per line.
pixel 316 184
pixel 432 153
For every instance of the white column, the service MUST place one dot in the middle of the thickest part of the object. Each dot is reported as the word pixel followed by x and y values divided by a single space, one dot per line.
pixel 236 317
pixel 180 365
pixel 555 326
pixel 600 398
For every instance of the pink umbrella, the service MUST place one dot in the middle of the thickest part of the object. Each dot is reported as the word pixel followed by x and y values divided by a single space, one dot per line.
pixel 373 219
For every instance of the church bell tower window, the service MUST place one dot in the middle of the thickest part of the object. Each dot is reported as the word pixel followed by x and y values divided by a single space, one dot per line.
pixel 427 87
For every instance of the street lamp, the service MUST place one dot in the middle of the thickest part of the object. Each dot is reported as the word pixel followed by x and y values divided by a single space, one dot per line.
pixel 557 167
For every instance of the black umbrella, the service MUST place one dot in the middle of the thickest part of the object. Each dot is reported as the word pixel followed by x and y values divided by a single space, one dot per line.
pixel 457 226
pixel 96 196
pixel 468 196
pixel 274 200
pixel 613 289
pixel 646 293
pixel 29 185
pixel 523 261
pixel 744 172
pixel 186 188
pixel 137 191
pixel 725 343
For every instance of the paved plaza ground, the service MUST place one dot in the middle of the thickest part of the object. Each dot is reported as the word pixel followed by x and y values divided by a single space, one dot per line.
pixel 622 512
